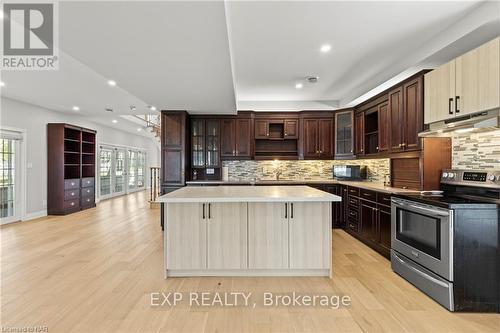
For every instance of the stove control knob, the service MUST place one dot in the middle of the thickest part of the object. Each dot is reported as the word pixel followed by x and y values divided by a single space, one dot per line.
pixel 493 178
pixel 445 174
pixel 451 175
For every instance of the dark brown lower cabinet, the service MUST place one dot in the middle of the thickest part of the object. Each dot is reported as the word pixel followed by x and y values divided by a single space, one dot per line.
pixel 384 226
pixel 368 218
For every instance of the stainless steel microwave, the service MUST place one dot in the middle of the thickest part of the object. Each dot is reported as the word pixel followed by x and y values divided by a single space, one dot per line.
pixel 350 172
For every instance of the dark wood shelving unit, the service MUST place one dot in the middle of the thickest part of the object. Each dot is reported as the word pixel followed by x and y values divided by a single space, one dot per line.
pixel 71 168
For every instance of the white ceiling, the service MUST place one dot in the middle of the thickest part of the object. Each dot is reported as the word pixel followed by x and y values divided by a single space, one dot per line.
pixel 216 57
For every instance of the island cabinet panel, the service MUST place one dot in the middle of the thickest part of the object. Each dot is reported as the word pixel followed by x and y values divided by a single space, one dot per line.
pixel 186 224
pixel 268 235
pixel 310 232
pixel 227 235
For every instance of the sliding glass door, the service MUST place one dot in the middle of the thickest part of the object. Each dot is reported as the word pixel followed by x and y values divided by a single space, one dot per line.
pixel 136 170
pixel 121 171
pixel 10 208
pixel 105 171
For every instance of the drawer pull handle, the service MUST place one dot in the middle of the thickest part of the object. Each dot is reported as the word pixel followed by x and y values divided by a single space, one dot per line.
pixel 72 193
pixel 72 204
pixel 72 184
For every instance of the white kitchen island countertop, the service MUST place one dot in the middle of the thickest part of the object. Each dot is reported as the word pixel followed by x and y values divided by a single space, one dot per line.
pixel 298 193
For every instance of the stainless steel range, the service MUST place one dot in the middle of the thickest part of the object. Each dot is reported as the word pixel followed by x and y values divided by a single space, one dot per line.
pixel 446 242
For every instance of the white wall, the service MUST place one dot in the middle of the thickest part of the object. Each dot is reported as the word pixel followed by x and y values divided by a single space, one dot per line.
pixel 34 120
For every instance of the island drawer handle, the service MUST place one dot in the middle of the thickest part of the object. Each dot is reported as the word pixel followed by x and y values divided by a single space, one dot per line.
pixel 209 205
pixel 286 210
pixel 203 211
pixel 291 210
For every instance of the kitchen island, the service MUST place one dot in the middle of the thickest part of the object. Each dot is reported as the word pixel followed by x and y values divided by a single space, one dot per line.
pixel 248 231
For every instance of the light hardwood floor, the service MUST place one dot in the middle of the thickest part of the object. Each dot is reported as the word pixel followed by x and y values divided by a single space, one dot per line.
pixel 94 271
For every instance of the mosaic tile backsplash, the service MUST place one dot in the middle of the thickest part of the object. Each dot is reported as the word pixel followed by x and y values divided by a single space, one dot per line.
pixel 477 151
pixel 377 169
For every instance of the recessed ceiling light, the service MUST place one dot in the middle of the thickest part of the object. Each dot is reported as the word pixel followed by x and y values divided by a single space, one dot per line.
pixel 139 129
pixel 114 121
pixel 112 83
pixel 132 108
pixel 76 108
pixel 325 48
pixel 2 84
pixel 299 85
pixel 152 108
pixel 108 109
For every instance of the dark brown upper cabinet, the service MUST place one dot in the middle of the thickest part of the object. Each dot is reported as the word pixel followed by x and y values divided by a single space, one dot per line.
pixel 174 146
pixel 359 124
pixel 414 113
pixel 396 116
pixel 291 129
pixel 384 128
pixel 344 134
pixel 276 135
pixel 205 143
pixel 317 137
pixel 406 115
pixel 261 129
pixel 236 138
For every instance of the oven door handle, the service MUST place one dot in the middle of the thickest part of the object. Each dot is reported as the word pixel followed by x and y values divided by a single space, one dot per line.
pixel 424 209
pixel 422 274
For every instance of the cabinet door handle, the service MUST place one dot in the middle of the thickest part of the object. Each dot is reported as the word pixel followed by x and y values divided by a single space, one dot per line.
pixel 291 210
pixel 457 101
pixel 286 210
pixel 450 108
pixel 209 214
pixel 203 211
pixel 236 153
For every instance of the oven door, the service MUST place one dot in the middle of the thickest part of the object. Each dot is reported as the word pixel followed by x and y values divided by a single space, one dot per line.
pixel 424 234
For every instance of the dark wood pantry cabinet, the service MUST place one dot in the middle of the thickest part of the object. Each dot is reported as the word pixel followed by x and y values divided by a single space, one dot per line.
pixel 174 146
pixel 71 156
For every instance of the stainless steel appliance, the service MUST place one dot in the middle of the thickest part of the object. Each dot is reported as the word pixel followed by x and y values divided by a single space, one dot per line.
pixel 349 172
pixel 439 242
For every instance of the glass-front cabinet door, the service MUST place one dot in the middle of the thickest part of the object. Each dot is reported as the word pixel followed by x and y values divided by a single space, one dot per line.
pixel 212 139
pixel 198 143
pixel 344 133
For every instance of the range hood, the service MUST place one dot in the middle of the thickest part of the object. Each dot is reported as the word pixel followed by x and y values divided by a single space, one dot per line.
pixel 472 123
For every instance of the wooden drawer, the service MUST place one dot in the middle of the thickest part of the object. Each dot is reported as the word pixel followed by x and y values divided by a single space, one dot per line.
pixel 353 201
pixel 352 225
pixel 368 195
pixel 72 204
pixel 88 201
pixel 88 191
pixel 70 184
pixel 88 182
pixel 353 190
pixel 71 194
pixel 352 213
pixel 384 199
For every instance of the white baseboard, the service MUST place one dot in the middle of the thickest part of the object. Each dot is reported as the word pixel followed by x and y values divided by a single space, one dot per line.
pixel 34 215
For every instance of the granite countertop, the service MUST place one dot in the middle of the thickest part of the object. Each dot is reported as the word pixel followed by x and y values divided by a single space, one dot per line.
pixel 361 184
pixel 247 193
